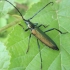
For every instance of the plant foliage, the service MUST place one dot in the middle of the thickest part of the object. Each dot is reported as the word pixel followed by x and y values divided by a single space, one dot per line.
pixel 56 16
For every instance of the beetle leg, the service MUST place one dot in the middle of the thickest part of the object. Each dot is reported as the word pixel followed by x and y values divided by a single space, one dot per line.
pixel 39 52
pixel 56 30
pixel 28 43
pixel 21 25
pixel 43 25
pixel 27 29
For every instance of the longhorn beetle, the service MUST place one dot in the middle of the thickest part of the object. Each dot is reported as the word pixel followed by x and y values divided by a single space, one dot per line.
pixel 37 32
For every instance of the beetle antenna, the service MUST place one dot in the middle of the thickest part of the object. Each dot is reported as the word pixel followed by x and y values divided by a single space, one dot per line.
pixel 33 15
pixel 40 10
pixel 16 9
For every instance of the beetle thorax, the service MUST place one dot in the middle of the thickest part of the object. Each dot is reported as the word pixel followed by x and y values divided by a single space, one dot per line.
pixel 30 24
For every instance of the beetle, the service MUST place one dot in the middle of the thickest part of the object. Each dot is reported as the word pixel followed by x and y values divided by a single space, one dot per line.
pixel 37 32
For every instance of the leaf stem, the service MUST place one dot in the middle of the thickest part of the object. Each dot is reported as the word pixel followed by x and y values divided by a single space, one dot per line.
pixel 9 25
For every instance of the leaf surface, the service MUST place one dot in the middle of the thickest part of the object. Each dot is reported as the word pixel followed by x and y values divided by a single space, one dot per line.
pixel 56 16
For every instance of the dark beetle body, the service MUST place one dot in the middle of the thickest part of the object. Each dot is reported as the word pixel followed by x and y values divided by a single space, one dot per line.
pixel 39 34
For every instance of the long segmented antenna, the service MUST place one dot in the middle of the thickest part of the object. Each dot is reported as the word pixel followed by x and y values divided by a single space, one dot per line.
pixel 33 15
pixel 40 10
pixel 16 9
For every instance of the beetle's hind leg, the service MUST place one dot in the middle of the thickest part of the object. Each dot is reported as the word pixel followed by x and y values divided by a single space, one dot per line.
pixel 39 52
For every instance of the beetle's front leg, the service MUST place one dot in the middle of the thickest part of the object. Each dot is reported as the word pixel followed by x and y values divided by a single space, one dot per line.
pixel 43 25
pixel 27 29
pixel 23 27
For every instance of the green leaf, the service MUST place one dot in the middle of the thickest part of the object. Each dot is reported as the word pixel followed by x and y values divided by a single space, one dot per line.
pixel 3 22
pixel 5 7
pixel 4 57
pixel 56 16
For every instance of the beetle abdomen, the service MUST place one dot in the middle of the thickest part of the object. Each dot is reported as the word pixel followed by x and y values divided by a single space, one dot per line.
pixel 44 38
